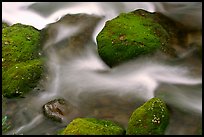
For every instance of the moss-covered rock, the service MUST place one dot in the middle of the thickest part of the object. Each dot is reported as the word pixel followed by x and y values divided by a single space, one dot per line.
pixel 136 33
pixel 21 78
pixel 19 44
pixel 152 118
pixel 92 126
pixel 4 25
pixel 22 65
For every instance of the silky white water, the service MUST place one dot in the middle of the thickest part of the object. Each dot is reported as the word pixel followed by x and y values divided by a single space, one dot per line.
pixel 81 77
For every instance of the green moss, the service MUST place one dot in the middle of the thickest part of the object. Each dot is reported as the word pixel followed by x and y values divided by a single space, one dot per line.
pixel 152 118
pixel 4 25
pixel 5 125
pixel 19 43
pixel 22 64
pixel 59 132
pixel 92 126
pixel 21 78
pixel 130 35
pixel 199 131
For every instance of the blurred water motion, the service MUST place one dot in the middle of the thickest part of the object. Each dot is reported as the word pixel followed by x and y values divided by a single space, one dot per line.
pixel 76 72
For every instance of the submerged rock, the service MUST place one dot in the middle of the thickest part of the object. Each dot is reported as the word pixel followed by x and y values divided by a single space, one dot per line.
pixel 22 65
pixel 152 118
pixel 137 33
pixel 72 30
pixel 57 109
pixel 92 126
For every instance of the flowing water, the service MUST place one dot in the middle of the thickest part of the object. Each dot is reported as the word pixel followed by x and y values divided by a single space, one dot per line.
pixel 76 73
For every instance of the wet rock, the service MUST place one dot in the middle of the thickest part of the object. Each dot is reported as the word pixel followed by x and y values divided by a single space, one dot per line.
pixel 92 126
pixel 138 33
pixel 77 30
pixel 57 109
pixel 22 64
pixel 152 118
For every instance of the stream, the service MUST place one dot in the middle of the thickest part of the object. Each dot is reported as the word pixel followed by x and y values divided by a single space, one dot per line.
pixel 76 72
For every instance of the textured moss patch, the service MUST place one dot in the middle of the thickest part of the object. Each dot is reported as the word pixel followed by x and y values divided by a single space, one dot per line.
pixel 22 65
pixel 132 34
pixel 19 43
pixel 21 78
pixel 4 25
pixel 152 118
pixel 92 126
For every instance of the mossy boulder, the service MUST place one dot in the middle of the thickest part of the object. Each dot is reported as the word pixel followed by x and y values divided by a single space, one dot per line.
pixel 21 78
pixel 19 44
pixel 92 126
pixel 152 118
pixel 136 33
pixel 22 63
pixel 4 25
